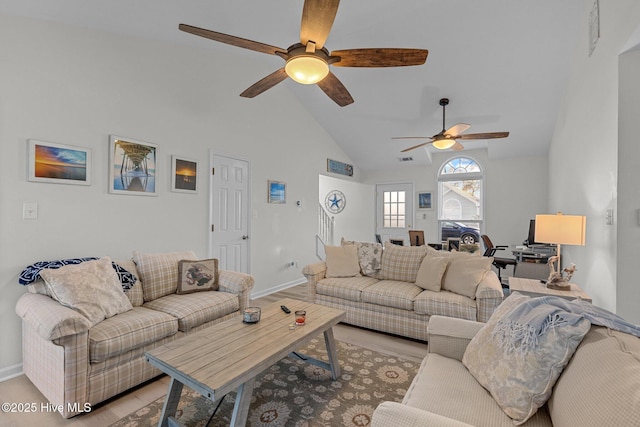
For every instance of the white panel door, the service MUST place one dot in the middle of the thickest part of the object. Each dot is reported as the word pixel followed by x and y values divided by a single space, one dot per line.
pixel 394 211
pixel 229 207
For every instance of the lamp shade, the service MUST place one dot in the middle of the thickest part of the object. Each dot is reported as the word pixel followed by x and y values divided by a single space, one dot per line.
pixel 307 69
pixel 443 143
pixel 561 229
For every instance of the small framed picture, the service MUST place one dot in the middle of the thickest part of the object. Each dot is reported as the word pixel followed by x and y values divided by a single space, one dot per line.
pixel 132 166
pixel 425 200
pixel 59 164
pixel 184 175
pixel 276 192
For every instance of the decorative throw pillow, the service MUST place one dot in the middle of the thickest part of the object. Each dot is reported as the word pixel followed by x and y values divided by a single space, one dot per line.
pixel 159 272
pixel 521 381
pixel 430 273
pixel 401 262
pixel 197 275
pixel 369 256
pixel 464 273
pixel 92 288
pixel 342 261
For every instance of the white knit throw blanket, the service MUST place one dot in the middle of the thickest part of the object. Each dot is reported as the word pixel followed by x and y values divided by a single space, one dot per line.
pixel 520 328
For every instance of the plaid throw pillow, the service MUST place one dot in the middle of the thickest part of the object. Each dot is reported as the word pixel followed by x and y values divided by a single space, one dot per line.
pixel 401 262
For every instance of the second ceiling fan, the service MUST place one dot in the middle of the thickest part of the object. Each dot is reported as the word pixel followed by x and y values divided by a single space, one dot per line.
pixel 448 138
pixel 308 62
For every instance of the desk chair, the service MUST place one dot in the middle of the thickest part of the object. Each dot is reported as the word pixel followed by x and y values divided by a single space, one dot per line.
pixel 498 263
pixel 416 237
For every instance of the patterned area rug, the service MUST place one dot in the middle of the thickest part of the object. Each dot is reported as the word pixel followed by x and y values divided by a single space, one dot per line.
pixel 295 393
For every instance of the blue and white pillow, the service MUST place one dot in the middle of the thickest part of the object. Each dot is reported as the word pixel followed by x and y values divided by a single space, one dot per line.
pixel 31 273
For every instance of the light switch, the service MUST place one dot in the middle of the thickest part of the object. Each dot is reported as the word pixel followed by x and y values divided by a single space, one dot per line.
pixel 30 211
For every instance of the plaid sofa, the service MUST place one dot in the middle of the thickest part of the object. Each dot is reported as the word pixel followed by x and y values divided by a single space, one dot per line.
pixel 398 306
pixel 73 364
pixel 598 387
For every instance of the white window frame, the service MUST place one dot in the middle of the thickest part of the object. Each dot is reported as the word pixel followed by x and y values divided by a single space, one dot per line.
pixel 442 178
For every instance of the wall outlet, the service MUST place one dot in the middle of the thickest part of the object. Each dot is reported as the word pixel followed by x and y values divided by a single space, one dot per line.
pixel 29 211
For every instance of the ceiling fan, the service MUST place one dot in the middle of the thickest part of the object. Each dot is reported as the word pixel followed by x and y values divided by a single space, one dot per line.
pixel 308 62
pixel 448 138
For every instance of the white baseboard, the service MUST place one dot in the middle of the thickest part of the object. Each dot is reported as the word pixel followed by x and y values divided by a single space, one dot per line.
pixel 10 372
pixel 278 288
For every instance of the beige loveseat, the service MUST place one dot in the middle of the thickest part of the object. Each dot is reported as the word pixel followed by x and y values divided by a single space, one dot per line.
pixel 600 385
pixel 76 364
pixel 397 289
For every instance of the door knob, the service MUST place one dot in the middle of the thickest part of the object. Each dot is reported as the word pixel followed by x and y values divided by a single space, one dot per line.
pixel 245 237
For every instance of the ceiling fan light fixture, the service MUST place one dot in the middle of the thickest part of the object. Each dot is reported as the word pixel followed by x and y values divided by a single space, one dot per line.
pixel 443 143
pixel 307 69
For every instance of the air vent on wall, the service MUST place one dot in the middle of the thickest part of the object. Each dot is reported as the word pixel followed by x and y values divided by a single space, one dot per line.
pixel 405 159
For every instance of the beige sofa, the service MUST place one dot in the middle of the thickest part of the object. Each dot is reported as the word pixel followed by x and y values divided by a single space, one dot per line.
pixel 77 365
pixel 600 385
pixel 397 289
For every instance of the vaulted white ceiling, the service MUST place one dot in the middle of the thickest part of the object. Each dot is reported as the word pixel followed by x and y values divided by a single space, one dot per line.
pixel 502 63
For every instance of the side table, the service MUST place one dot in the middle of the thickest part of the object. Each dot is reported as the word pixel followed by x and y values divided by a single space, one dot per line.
pixel 536 288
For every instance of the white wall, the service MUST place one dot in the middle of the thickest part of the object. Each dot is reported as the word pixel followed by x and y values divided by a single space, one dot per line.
pixel 515 190
pixel 583 160
pixel 76 86
pixel 357 220
pixel 628 247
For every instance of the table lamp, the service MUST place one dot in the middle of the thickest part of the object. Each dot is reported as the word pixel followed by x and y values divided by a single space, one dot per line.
pixel 560 230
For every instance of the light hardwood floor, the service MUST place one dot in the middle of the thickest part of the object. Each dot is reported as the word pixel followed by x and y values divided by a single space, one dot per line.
pixel 20 389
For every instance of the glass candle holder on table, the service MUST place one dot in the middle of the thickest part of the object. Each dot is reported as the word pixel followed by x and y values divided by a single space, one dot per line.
pixel 300 316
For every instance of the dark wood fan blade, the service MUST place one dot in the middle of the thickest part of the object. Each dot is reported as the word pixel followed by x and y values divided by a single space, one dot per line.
pixel 267 83
pixel 335 90
pixel 317 20
pixel 232 40
pixel 486 135
pixel 416 146
pixel 457 146
pixel 384 57
pixel 457 129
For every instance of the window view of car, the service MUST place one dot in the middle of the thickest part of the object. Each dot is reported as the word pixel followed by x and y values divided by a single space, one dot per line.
pixel 467 234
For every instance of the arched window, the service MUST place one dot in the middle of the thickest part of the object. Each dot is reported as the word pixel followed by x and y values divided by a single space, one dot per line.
pixel 460 214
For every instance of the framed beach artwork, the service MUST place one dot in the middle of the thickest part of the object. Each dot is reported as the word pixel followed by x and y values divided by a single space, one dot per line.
pixel 277 192
pixel 132 166
pixel 425 200
pixel 184 175
pixel 58 163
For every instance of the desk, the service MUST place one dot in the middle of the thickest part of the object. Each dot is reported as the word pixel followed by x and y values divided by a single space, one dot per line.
pixel 540 255
pixel 535 288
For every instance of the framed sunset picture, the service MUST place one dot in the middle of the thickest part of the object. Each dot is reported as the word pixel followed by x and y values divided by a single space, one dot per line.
pixel 58 163
pixel 184 175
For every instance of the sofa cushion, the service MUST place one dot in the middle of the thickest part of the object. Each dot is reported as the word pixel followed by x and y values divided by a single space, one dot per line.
pixel 430 273
pixel 192 310
pixel 464 273
pixel 391 293
pixel 521 378
pixel 127 331
pixel 345 288
pixel 601 384
pixel 445 387
pixel 369 256
pixel 342 261
pixel 159 272
pixel 401 262
pixel 92 288
pixel 445 303
pixel 197 276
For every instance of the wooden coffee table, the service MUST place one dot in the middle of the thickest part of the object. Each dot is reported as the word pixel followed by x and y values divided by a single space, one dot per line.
pixel 228 356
